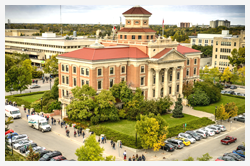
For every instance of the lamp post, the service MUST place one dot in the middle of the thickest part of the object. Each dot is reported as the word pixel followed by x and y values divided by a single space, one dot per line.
pixel 215 113
pixel 41 104
pixel 11 142
pixel 61 110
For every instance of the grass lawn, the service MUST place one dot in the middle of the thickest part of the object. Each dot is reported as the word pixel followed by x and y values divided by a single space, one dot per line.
pixel 16 157
pixel 128 127
pixel 224 100
pixel 32 98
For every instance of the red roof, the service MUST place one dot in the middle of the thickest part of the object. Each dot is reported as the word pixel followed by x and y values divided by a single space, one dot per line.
pixel 105 53
pixel 137 10
pixel 163 52
pixel 136 30
pixel 185 50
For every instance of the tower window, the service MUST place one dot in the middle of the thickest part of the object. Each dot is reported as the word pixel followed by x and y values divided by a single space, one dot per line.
pixel 133 36
pixel 139 37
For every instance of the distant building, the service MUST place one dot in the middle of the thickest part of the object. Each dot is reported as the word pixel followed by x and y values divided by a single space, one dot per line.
pixel 217 23
pixel 185 24
pixel 19 32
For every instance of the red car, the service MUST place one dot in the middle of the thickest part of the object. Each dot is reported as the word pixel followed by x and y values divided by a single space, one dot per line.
pixel 10 130
pixel 228 140
pixel 58 158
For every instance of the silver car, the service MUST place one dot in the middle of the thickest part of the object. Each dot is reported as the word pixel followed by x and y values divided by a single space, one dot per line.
pixel 202 133
pixel 18 138
pixel 36 150
pixel 34 86
pixel 187 136
pixel 215 128
pixel 209 131
pixel 21 143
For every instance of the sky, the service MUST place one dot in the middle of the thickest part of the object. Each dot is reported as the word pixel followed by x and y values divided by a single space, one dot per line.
pixel 110 14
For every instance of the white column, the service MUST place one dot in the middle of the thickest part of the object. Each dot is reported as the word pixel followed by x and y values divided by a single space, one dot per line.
pixel 157 83
pixel 173 89
pixel 165 82
pixel 181 81
pixel 150 91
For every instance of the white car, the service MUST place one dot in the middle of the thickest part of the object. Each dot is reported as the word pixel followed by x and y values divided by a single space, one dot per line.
pixel 187 136
pixel 36 150
pixel 215 128
pixel 202 133
pixel 209 131
pixel 21 143
pixel 222 127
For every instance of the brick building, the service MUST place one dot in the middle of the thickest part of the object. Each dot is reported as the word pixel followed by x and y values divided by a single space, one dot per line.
pixel 158 66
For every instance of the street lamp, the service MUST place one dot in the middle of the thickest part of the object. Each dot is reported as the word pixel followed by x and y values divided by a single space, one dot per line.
pixel 41 104
pixel 215 113
pixel 11 142
pixel 61 110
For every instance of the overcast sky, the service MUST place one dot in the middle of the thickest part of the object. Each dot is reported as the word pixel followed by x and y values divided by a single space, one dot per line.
pixel 109 14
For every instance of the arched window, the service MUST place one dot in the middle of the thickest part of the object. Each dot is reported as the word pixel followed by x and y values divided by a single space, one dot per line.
pixel 62 67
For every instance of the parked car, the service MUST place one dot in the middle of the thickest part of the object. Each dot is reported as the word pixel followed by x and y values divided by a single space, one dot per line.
pixel 36 149
pixel 184 141
pixel 223 92
pixel 48 156
pixel 177 143
pixel 236 93
pixel 58 158
pixel 222 127
pixel 228 140
pixel 10 130
pixel 9 136
pixel 240 119
pixel 225 158
pixel 34 86
pixel 168 147
pixel 41 153
pixel 233 87
pixel 209 131
pixel 26 148
pixel 214 128
pixel 230 92
pixel 227 86
pixel 241 147
pixel 240 152
pixel 21 144
pixel 194 135
pixel 202 133
pixel 187 136
pixel 18 138
pixel 235 156
pixel 242 94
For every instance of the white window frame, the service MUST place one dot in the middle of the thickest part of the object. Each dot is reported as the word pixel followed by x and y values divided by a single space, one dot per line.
pixel 63 79
pixel 66 80
pixel 73 70
pixel 98 73
pixel 66 68
pixel 113 79
pixel 195 61
pixel 74 81
pixel 101 84
pixel 143 80
pixel 188 62
pixel 62 68
pixel 141 68
pixel 195 68
pixel 83 82
pixel 125 69
pixel 86 72
pixel 83 71
pixel 188 69
pixel 113 70
pixel 124 78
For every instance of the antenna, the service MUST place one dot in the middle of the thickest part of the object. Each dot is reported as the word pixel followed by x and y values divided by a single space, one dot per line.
pixel 61 19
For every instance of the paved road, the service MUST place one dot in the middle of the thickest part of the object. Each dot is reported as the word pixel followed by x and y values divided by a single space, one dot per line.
pixel 49 140
pixel 44 86
pixel 210 145
pixel 239 90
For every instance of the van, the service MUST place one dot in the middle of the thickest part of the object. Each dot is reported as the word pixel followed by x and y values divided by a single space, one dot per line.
pixel 39 123
pixel 11 111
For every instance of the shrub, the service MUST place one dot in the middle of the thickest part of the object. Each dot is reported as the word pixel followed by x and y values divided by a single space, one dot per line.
pixel 198 98
pixel 127 140
pixel 54 105
pixel 241 97
pixel 122 114
pixel 241 109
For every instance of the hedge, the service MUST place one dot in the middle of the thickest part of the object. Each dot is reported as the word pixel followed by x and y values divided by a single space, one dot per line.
pixel 28 94
pixel 241 109
pixel 127 140
pixel 241 97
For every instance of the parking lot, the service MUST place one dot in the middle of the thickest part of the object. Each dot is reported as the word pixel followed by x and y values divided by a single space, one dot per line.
pixel 239 90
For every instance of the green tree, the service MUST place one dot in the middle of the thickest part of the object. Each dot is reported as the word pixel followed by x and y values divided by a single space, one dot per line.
pixel 110 158
pixel 227 75
pixel 122 92
pixel 82 92
pixel 32 156
pixel 54 90
pixel 188 89
pixel 204 74
pixel 205 157
pixel 177 112
pixel 221 114
pixel 214 72
pixel 51 65
pixel 198 98
pixel 235 75
pixel 189 159
pixel 7 123
pixel 90 151
pixel 231 109
pixel 238 57
pixel 241 73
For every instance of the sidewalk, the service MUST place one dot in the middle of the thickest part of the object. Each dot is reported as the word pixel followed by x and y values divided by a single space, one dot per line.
pixel 200 114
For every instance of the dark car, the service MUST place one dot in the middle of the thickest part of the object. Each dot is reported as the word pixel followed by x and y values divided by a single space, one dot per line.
pixel 168 147
pixel 241 147
pixel 227 86
pixel 25 148
pixel 240 119
pixel 235 156
pixel 225 158
pixel 176 143
pixel 44 152
pixel 240 152
pixel 233 87
pixel 48 156
pixel 230 92
pixel 58 158
pixel 194 135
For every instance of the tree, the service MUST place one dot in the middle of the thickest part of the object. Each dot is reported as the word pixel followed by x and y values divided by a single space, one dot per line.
pixel 177 112
pixel 188 89
pixel 189 159
pixel 241 73
pixel 91 151
pixel 238 57
pixel 204 74
pixel 227 75
pixel 205 157
pixel 32 156
pixel 231 109
pixel 82 92
pixel 110 158
pixel 198 98
pixel 7 123
pixel 122 92
pixel 51 65
pixel 214 72
pixel 54 90
pixel 221 114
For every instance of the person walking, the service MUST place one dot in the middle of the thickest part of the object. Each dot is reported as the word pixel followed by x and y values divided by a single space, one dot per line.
pixel 120 144
pixel 74 133
pixel 65 127
pixel 111 142
pixel 58 121
pixel 102 140
pixel 27 116
pixel 129 159
pixel 114 146
pixel 54 121
pixel 143 157
pixel 136 157
pixel 83 134
pixel 24 110
pixel 105 138
pixel 125 154
pixel 133 158
pixel 139 159
pixel 61 124
pixel 67 131
pixel 78 132
pixel 29 111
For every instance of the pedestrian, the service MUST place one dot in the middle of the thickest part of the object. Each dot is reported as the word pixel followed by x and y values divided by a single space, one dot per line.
pixel 48 118
pixel 105 138
pixel 102 140
pixel 136 157
pixel 54 121
pixel 114 146
pixel 139 159
pixel 78 132
pixel 67 132
pixel 29 111
pixel 61 124
pixel 125 154
pixel 43 81
pixel 133 158
pixel 99 140
pixel 24 110
pixel 143 157
pixel 65 127
pixel 129 159
pixel 33 81
pixel 120 144
pixel 83 134
pixel 74 133
pixel 111 142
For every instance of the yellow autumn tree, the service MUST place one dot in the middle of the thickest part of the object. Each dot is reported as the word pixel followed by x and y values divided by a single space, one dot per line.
pixel 241 73
pixel 227 75
pixel 221 113
pixel 231 109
